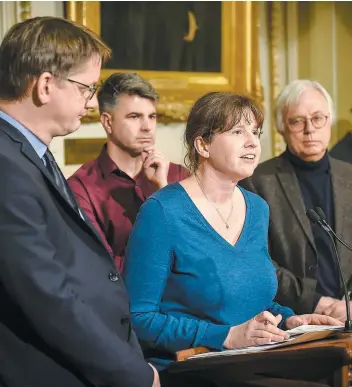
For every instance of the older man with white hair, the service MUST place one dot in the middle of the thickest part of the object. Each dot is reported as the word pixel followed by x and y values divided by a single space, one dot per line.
pixel 304 177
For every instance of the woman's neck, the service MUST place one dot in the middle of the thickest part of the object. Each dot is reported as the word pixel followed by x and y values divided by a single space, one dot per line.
pixel 217 189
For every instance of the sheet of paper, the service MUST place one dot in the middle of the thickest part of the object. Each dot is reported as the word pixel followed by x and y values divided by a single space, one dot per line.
pixel 241 351
pixel 302 334
pixel 312 328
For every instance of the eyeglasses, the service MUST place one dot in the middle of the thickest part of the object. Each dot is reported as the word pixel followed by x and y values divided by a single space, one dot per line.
pixel 298 124
pixel 90 90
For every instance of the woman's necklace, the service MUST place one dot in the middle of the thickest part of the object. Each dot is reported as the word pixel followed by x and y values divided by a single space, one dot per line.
pixel 226 221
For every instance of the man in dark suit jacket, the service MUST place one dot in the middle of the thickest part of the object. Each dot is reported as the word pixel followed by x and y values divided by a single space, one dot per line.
pixel 304 177
pixel 343 149
pixel 65 313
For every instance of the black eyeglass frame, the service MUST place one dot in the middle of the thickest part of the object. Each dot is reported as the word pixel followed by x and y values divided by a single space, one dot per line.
pixel 92 88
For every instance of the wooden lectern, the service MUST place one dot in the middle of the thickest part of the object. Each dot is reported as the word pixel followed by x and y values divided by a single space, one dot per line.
pixel 327 361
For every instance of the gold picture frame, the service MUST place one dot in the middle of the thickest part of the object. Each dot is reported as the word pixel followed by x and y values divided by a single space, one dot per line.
pixel 178 90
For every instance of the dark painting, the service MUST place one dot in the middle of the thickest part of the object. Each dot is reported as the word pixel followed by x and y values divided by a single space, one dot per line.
pixel 163 36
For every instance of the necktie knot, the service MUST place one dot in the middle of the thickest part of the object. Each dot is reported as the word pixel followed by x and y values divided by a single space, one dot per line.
pixel 49 157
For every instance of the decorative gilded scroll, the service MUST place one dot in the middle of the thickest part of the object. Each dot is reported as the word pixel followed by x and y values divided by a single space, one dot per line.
pixel 24 10
pixel 276 33
pixel 81 150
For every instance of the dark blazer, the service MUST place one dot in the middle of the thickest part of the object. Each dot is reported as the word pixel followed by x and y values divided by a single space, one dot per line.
pixel 64 317
pixel 291 243
pixel 343 149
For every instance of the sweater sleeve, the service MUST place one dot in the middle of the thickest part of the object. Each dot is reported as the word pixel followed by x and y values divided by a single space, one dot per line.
pixel 149 257
pixel 285 312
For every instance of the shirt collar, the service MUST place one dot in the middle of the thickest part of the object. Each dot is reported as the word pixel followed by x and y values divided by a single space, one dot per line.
pixel 106 164
pixel 38 146
pixel 108 167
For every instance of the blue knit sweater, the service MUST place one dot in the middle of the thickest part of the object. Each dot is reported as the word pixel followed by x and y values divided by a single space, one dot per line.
pixel 188 285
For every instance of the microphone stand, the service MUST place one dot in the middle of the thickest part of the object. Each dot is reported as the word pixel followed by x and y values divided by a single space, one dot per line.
pixel 320 212
pixel 318 219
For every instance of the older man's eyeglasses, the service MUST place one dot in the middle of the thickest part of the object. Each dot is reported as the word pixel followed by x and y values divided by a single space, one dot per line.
pixel 89 90
pixel 299 123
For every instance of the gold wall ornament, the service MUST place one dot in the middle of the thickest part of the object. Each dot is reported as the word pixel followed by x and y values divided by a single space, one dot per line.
pixel 256 84
pixel 172 110
pixel 192 27
pixel 81 150
pixel 179 90
pixel 24 10
pixel 276 33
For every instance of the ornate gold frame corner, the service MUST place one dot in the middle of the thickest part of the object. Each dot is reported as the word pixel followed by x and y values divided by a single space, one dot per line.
pixel 179 90
pixel 23 10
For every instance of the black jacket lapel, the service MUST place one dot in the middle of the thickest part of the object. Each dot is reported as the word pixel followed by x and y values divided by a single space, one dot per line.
pixel 28 151
pixel 290 186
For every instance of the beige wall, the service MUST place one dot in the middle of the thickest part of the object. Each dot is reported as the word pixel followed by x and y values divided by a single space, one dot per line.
pixel 325 42
pixel 343 72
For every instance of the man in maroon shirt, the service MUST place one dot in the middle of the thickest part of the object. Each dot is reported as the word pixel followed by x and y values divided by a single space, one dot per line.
pixel 111 188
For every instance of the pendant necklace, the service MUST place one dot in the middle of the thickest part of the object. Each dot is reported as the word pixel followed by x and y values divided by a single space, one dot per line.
pixel 226 221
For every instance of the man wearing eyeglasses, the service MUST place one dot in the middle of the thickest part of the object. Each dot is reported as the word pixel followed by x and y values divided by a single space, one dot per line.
pixel 301 178
pixel 65 317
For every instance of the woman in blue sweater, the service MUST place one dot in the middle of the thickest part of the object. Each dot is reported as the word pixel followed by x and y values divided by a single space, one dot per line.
pixel 198 271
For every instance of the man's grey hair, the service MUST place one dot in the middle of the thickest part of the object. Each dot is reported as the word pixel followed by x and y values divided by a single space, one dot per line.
pixel 290 96
pixel 124 83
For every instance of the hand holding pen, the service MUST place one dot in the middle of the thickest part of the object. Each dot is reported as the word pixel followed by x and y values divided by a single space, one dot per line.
pixel 261 329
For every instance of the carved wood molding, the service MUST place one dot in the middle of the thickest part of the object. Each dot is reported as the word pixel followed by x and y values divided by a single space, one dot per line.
pixel 24 10
pixel 276 35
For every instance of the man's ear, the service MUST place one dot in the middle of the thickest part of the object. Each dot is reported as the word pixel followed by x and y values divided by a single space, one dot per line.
pixel 44 88
pixel 106 121
pixel 202 147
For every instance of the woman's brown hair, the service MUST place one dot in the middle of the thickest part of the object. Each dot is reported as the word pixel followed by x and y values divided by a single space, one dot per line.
pixel 217 112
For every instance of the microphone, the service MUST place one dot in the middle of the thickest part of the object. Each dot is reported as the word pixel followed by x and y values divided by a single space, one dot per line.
pixel 319 218
pixel 321 214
